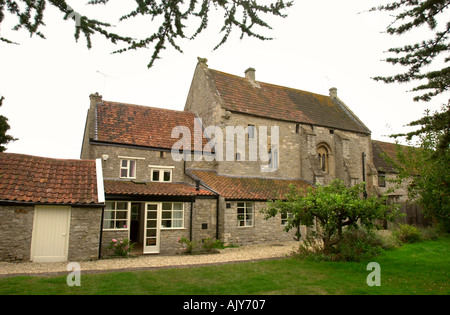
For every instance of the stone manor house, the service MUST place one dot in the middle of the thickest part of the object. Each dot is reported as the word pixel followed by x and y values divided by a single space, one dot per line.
pixel 130 185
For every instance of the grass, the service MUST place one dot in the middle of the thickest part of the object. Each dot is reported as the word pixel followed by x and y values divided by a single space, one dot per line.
pixel 419 268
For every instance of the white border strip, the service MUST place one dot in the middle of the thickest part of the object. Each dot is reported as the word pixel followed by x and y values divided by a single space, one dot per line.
pixel 100 187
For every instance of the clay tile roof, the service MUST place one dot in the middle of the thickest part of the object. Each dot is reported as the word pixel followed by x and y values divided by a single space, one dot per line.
pixel 39 180
pixel 278 102
pixel 143 126
pixel 129 188
pixel 247 188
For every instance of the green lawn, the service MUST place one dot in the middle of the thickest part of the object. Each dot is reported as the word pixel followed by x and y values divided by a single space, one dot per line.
pixel 421 268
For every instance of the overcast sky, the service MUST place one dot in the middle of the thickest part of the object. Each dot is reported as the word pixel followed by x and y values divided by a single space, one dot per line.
pixel 321 44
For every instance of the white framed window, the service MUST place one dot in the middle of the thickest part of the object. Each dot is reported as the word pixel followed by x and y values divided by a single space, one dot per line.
pixel 245 214
pixel 115 216
pixel 127 168
pixel 172 215
pixel 161 175
pixel 285 217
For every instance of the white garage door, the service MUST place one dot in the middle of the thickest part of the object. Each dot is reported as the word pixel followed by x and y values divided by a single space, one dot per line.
pixel 50 240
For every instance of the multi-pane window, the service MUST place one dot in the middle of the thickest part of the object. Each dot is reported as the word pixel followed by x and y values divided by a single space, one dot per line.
pixel 161 175
pixel 172 215
pixel 245 214
pixel 285 217
pixel 115 216
pixel 127 168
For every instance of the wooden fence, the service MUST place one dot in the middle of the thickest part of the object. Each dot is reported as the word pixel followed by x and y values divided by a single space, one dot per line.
pixel 414 215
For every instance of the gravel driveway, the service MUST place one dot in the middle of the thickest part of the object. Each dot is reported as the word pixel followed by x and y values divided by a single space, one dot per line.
pixel 243 253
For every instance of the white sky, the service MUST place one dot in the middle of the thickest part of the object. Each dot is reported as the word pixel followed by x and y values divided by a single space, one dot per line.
pixel 321 44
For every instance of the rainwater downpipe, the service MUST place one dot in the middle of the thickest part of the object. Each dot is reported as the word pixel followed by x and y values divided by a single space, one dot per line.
pixel 364 174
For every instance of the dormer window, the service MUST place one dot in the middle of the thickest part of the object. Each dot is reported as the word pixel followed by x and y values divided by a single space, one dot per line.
pixel 127 168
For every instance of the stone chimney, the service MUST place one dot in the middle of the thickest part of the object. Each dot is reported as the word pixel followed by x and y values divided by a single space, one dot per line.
pixel 333 92
pixel 250 76
pixel 95 98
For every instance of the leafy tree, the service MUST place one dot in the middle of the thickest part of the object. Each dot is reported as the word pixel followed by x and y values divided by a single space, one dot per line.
pixel 173 17
pixel 426 61
pixel 4 127
pixel 332 208
pixel 428 168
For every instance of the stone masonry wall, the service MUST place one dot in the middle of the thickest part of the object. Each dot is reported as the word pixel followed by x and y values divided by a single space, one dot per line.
pixel 204 219
pixel 262 231
pixel 145 158
pixel 16 226
pixel 84 234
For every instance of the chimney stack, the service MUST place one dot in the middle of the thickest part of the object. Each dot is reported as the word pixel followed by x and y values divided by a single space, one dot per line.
pixel 250 76
pixel 95 98
pixel 333 92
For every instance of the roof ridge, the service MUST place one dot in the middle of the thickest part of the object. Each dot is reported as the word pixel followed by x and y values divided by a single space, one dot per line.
pixel 147 106
pixel 272 84
pixel 45 157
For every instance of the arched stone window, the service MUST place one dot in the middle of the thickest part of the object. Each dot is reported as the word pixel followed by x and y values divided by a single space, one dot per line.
pixel 322 154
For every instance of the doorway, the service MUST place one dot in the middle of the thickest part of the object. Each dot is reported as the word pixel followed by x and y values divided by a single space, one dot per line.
pixel 137 226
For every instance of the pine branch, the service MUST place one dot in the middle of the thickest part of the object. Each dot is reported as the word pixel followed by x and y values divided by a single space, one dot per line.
pixel 244 15
pixel 418 56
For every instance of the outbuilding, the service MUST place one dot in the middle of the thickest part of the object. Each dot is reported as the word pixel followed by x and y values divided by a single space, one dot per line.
pixel 50 209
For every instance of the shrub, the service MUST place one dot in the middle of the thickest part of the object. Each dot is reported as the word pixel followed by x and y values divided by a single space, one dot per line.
pixel 355 245
pixel 429 233
pixel 209 244
pixel 405 233
pixel 187 245
pixel 121 247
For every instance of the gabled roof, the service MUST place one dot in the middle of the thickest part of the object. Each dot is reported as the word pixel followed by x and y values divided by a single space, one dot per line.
pixel 283 103
pixel 40 180
pixel 129 124
pixel 247 188
pixel 129 188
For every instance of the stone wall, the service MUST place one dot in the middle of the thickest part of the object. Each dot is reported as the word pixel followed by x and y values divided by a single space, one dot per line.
pixel 84 234
pixel 202 100
pixel 262 231
pixel 16 226
pixel 204 219
pixel 145 158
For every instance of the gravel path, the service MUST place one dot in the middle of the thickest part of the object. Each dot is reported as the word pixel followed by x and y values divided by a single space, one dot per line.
pixel 243 253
